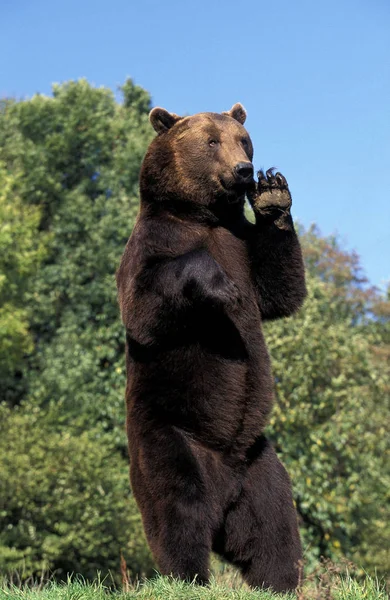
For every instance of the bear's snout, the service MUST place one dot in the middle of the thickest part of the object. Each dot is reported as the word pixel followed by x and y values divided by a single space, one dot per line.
pixel 243 172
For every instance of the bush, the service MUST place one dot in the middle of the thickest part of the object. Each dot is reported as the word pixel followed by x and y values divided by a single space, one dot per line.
pixel 65 504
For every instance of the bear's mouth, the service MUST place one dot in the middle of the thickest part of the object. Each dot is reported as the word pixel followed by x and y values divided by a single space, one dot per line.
pixel 234 191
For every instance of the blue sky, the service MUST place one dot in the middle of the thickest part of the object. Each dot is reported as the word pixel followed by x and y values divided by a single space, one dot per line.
pixel 313 76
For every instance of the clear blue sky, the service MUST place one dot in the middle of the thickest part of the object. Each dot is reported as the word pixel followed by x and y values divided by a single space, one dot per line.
pixel 314 77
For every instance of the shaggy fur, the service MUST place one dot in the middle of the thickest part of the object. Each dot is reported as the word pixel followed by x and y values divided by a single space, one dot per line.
pixel 195 283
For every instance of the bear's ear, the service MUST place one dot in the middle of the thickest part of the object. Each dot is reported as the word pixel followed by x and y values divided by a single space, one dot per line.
pixel 162 120
pixel 237 112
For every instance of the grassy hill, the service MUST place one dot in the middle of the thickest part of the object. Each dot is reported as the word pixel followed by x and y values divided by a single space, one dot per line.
pixel 340 587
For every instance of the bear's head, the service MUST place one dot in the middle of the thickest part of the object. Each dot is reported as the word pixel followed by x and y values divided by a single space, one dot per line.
pixel 204 159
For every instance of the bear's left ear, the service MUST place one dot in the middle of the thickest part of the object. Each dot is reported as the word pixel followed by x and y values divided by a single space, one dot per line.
pixel 162 120
pixel 237 112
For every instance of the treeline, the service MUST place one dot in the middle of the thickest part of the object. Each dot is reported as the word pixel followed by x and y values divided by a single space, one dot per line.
pixel 69 168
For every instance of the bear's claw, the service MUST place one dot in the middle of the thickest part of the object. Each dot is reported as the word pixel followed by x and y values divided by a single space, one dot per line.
pixel 271 193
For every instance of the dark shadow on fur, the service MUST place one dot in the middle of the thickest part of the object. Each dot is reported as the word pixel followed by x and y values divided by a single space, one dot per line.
pixel 211 330
pixel 256 450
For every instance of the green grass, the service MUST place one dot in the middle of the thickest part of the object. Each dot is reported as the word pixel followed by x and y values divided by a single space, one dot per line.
pixel 341 587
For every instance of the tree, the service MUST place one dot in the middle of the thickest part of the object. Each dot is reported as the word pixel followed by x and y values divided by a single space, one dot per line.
pixel 72 161
pixel 79 155
pixel 332 402
pixel 21 252
pixel 65 504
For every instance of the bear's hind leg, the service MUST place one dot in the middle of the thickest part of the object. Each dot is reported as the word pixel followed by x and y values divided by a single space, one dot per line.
pixel 184 543
pixel 170 488
pixel 260 533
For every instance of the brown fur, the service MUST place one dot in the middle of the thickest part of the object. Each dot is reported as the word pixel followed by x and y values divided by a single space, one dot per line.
pixel 195 283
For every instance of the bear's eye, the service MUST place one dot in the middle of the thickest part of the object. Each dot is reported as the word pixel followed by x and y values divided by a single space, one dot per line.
pixel 244 142
pixel 213 143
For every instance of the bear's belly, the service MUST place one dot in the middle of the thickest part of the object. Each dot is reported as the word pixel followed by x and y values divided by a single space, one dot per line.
pixel 223 402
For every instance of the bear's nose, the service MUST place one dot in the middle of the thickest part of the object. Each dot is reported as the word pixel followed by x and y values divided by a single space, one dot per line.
pixel 244 171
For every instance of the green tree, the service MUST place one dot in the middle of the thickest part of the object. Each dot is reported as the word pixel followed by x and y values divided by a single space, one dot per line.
pixel 21 251
pixel 73 161
pixel 332 389
pixel 79 155
pixel 65 504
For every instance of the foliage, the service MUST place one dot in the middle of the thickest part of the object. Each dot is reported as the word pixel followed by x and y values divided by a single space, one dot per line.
pixel 64 500
pixel 71 166
pixel 79 155
pixel 332 405
pixel 21 251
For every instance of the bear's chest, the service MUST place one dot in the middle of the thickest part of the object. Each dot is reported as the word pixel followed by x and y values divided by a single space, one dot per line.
pixel 231 254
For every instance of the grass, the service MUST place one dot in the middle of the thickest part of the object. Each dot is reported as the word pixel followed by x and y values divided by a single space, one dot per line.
pixel 330 587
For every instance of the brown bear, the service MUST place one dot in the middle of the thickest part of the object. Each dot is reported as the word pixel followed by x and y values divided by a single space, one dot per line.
pixel 195 283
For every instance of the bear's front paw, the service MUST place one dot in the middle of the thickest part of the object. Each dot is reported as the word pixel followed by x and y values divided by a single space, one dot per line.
pixel 271 194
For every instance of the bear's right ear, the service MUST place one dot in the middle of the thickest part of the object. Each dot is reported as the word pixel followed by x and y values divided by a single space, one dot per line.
pixel 237 112
pixel 162 120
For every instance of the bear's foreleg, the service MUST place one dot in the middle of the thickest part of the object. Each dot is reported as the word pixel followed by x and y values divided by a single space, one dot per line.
pixel 274 249
pixel 155 306
pixel 196 277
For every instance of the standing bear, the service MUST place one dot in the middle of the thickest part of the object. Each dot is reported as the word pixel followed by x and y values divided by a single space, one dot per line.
pixel 195 283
